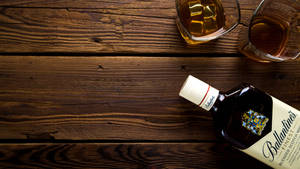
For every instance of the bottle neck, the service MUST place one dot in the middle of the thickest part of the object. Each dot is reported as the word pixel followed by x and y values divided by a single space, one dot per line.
pixel 216 106
pixel 209 98
pixel 199 93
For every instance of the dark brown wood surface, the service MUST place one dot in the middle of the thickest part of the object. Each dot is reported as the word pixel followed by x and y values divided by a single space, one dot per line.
pixel 133 4
pixel 122 155
pixel 126 98
pixel 59 99
pixel 94 84
pixel 122 99
pixel 130 26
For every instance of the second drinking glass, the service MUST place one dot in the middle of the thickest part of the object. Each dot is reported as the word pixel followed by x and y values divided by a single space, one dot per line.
pixel 274 32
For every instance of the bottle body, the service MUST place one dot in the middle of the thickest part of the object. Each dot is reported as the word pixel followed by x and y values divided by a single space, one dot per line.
pixel 243 115
pixel 259 125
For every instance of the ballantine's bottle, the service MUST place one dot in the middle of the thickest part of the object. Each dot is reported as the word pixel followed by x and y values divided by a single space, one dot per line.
pixel 252 121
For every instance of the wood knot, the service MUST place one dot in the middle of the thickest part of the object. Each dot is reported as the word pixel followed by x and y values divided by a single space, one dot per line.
pixel 100 67
pixel 183 67
pixel 97 40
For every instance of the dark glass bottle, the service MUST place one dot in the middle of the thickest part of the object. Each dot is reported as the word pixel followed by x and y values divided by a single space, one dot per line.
pixel 251 120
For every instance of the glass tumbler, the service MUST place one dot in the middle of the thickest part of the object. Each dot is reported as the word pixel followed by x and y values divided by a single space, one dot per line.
pixel 274 32
pixel 200 21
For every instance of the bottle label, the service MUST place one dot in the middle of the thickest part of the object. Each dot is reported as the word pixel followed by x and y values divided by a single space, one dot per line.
pixel 281 147
pixel 209 98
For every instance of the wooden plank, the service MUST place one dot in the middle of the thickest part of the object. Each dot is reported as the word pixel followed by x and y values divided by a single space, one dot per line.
pixel 118 29
pixel 146 155
pixel 149 4
pixel 123 98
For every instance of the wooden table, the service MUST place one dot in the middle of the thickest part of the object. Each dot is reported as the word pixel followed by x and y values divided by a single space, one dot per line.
pixel 94 84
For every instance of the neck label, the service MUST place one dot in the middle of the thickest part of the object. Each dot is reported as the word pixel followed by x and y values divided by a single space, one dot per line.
pixel 209 98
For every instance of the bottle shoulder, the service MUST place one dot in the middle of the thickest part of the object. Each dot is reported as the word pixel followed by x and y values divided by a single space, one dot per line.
pixel 235 92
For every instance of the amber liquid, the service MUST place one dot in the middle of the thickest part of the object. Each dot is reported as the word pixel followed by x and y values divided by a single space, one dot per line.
pixel 200 18
pixel 229 113
pixel 269 35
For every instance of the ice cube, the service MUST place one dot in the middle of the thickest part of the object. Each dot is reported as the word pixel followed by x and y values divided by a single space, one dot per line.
pixel 196 8
pixel 210 11
pixel 196 28
pixel 210 18
pixel 210 26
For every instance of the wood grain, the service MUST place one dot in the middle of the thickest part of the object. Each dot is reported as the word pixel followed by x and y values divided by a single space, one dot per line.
pixel 123 98
pixel 135 155
pixel 113 4
pixel 130 26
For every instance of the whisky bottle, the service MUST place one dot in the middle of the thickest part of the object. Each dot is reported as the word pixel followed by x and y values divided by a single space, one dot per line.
pixel 251 120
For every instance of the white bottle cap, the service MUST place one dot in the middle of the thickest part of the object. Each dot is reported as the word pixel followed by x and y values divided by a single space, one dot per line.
pixel 199 93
